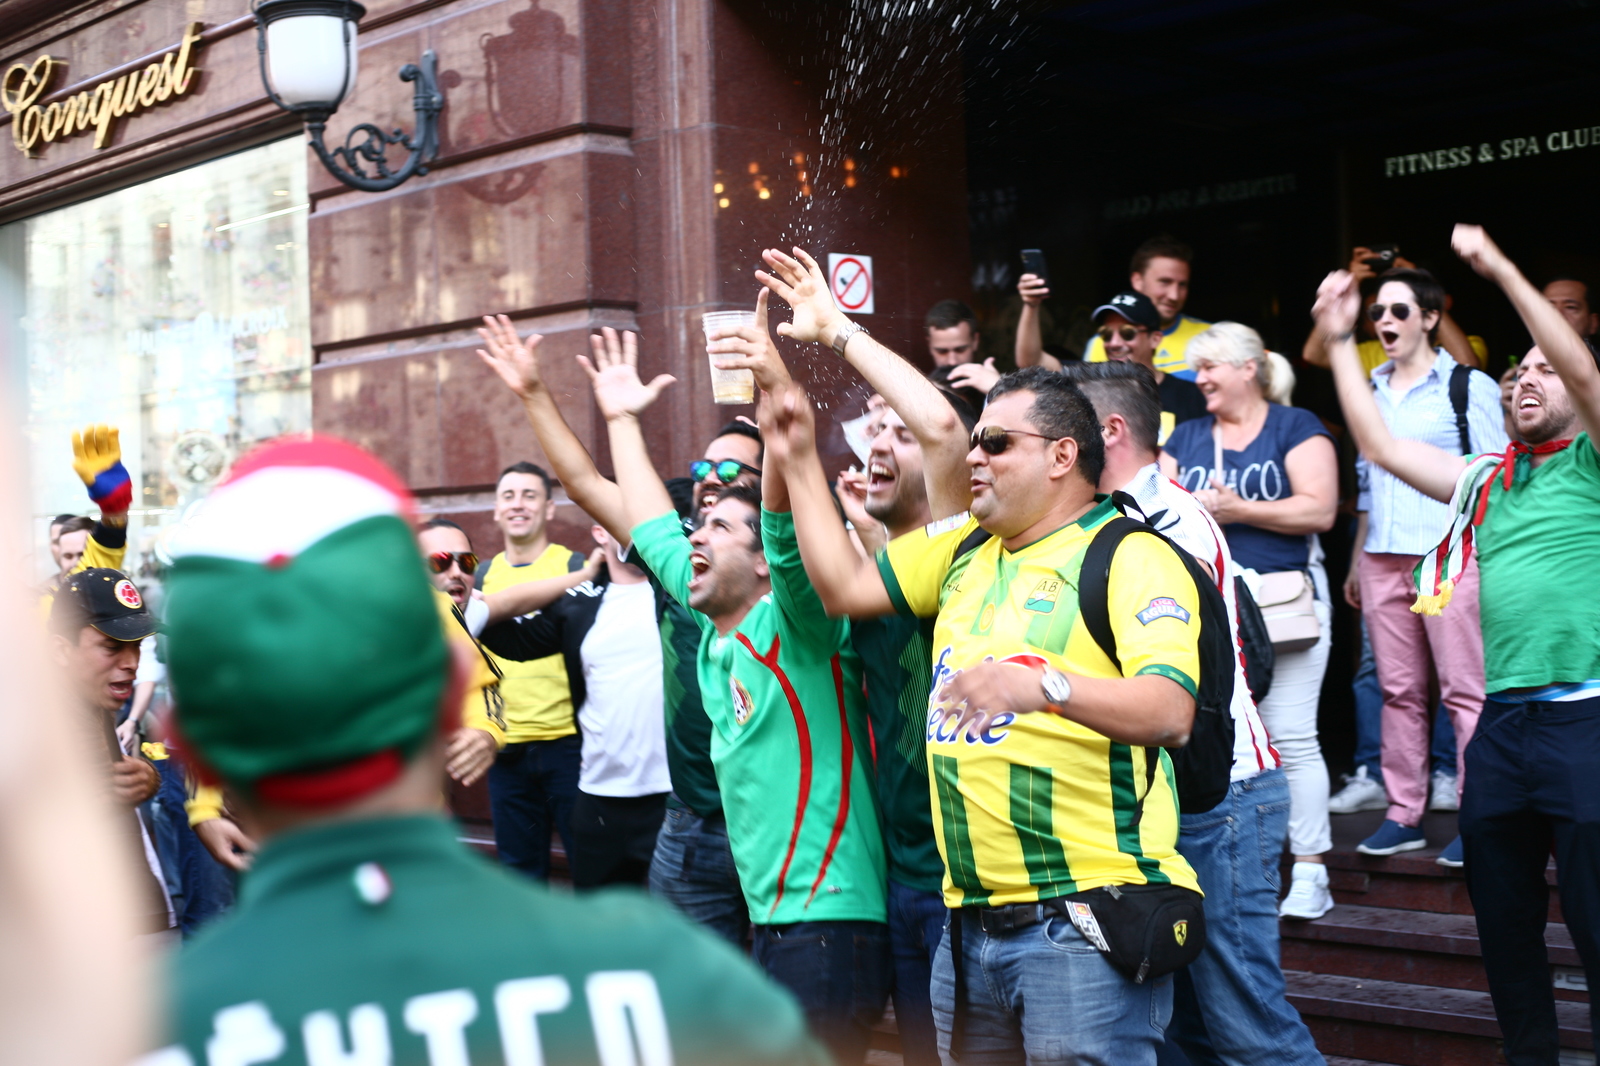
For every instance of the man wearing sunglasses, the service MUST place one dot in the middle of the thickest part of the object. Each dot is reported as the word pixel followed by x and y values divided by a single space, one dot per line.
pixel 1036 741
pixel 693 864
pixel 1129 330
pixel 732 458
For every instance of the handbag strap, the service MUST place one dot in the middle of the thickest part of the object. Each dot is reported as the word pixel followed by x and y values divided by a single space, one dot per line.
pixel 1216 450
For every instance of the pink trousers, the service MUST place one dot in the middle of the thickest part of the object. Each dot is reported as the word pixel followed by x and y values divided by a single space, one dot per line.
pixel 1411 650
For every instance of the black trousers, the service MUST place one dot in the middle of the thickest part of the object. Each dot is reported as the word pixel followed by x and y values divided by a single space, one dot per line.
pixel 1533 786
pixel 614 838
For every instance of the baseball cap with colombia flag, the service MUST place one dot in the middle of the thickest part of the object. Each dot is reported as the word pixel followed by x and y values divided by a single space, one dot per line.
pixel 304 649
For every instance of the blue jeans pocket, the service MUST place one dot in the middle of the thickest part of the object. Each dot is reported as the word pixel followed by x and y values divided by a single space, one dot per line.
pixel 1062 935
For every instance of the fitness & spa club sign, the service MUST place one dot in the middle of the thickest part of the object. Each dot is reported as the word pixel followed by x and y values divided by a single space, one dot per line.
pixel 34 125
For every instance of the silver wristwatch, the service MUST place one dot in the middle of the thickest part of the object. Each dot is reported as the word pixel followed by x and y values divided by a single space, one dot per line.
pixel 842 338
pixel 1057 689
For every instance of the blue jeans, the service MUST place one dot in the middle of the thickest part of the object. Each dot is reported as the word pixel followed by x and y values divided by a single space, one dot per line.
pixel 1369 721
pixel 532 786
pixel 1230 1004
pixel 1045 995
pixel 840 973
pixel 201 888
pixel 916 928
pixel 693 869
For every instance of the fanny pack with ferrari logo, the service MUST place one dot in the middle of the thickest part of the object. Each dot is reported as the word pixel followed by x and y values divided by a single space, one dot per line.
pixel 1143 930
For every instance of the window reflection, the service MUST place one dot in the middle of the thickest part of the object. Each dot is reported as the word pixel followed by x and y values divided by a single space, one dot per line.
pixel 178 310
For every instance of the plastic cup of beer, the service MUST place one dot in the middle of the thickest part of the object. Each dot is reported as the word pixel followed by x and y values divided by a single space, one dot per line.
pixel 729 386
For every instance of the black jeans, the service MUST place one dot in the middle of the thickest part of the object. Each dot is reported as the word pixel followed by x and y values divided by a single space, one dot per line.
pixel 532 786
pixel 613 838
pixel 1533 782
pixel 840 973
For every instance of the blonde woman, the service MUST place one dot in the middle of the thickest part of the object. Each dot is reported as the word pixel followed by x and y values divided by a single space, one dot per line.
pixel 1269 476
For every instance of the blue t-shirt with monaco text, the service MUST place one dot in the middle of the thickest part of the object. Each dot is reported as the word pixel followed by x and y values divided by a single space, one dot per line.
pixel 1256 472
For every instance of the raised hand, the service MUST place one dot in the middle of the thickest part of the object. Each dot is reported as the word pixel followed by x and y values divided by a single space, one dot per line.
pixel 1472 244
pixel 509 355
pixel 788 423
pixel 802 285
pixel 751 348
pixel 614 374
pixel 97 459
pixel 1033 289
pixel 1338 304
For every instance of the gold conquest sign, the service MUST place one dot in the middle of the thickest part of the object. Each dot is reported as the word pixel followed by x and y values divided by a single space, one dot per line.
pixel 96 108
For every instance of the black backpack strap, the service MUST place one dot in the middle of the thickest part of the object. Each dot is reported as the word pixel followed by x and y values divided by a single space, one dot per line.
pixel 971 543
pixel 1460 382
pixel 1094 581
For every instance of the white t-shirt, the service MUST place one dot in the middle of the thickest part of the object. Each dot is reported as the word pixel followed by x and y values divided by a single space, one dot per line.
pixel 623 717
pixel 1178 516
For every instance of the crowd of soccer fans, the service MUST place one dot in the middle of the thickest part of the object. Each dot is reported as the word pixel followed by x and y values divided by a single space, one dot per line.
pixel 1012 729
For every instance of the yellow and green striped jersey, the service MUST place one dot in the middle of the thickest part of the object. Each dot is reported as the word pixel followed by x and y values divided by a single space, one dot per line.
pixel 1040 806
pixel 1173 355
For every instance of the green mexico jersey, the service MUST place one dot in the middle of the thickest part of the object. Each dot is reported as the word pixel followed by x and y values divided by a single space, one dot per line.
pixel 897 655
pixel 386 941
pixel 789 739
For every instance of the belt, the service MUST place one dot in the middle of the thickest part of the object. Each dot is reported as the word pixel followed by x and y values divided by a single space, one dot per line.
pixel 1011 917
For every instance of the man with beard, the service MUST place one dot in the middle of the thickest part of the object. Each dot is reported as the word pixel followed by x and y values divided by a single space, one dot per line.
pixel 1532 517
pixel 693 865
pixel 790 742
pixel 916 474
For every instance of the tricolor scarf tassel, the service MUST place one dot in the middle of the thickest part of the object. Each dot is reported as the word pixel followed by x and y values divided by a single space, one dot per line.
pixel 1439 571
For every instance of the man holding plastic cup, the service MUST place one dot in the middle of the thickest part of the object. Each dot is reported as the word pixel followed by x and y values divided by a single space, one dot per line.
pixel 728 386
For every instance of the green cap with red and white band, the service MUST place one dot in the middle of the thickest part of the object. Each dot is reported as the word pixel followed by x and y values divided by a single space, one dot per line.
pixel 304 648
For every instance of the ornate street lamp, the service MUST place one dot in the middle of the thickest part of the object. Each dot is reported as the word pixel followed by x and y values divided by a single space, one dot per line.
pixel 308 65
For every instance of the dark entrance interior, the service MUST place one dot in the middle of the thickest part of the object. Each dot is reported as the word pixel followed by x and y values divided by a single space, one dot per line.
pixel 1272 137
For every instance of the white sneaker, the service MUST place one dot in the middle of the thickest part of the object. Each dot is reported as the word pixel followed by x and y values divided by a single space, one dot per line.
pixel 1308 896
pixel 1360 793
pixel 1445 796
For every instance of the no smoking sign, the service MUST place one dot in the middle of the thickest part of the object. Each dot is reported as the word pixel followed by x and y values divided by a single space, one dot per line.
pixel 850 280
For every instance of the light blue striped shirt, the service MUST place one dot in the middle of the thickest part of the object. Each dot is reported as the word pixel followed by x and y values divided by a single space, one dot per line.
pixel 1400 519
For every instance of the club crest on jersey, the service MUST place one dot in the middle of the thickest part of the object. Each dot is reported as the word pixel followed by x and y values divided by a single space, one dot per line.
pixel 127 595
pixel 1162 607
pixel 1042 600
pixel 742 703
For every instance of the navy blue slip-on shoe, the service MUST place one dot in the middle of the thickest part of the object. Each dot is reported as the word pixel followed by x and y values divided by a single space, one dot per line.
pixel 1452 855
pixel 1393 837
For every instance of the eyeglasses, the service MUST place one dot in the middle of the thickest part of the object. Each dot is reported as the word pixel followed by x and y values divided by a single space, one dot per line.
pixel 995 440
pixel 727 470
pixel 1400 311
pixel 440 561
pixel 1127 333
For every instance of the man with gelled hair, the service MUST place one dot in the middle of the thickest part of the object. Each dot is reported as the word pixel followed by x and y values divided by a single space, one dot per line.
pixel 371 933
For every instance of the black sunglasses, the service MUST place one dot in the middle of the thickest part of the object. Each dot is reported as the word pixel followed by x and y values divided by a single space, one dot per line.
pixel 440 561
pixel 1127 333
pixel 995 440
pixel 727 470
pixel 1400 311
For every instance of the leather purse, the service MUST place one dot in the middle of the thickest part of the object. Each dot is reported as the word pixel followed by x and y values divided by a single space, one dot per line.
pixel 1288 606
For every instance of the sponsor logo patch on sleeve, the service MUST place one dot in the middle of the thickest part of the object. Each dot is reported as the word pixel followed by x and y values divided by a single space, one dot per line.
pixel 1162 607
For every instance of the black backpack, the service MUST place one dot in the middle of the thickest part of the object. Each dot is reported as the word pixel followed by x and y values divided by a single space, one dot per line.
pixel 1260 657
pixel 1204 766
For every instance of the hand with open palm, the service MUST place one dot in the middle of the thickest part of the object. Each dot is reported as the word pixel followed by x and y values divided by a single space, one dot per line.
pixel 614 374
pixel 802 285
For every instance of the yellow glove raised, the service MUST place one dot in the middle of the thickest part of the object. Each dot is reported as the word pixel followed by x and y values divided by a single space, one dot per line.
pixel 97 458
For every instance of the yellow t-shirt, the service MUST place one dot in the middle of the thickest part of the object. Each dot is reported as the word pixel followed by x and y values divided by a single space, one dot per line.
pixel 1041 806
pixel 1173 355
pixel 538 701
pixel 482 706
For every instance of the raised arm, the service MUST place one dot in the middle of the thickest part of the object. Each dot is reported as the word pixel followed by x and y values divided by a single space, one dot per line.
pixel 1425 468
pixel 1029 349
pixel 800 283
pixel 516 363
pixel 846 582
pixel 614 373
pixel 1555 338
pixel 518 600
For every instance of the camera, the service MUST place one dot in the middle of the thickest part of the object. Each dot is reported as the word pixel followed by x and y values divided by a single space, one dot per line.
pixel 1382 258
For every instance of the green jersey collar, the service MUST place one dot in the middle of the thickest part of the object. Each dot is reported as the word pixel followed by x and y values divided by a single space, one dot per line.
pixel 335 850
pixel 1103 509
